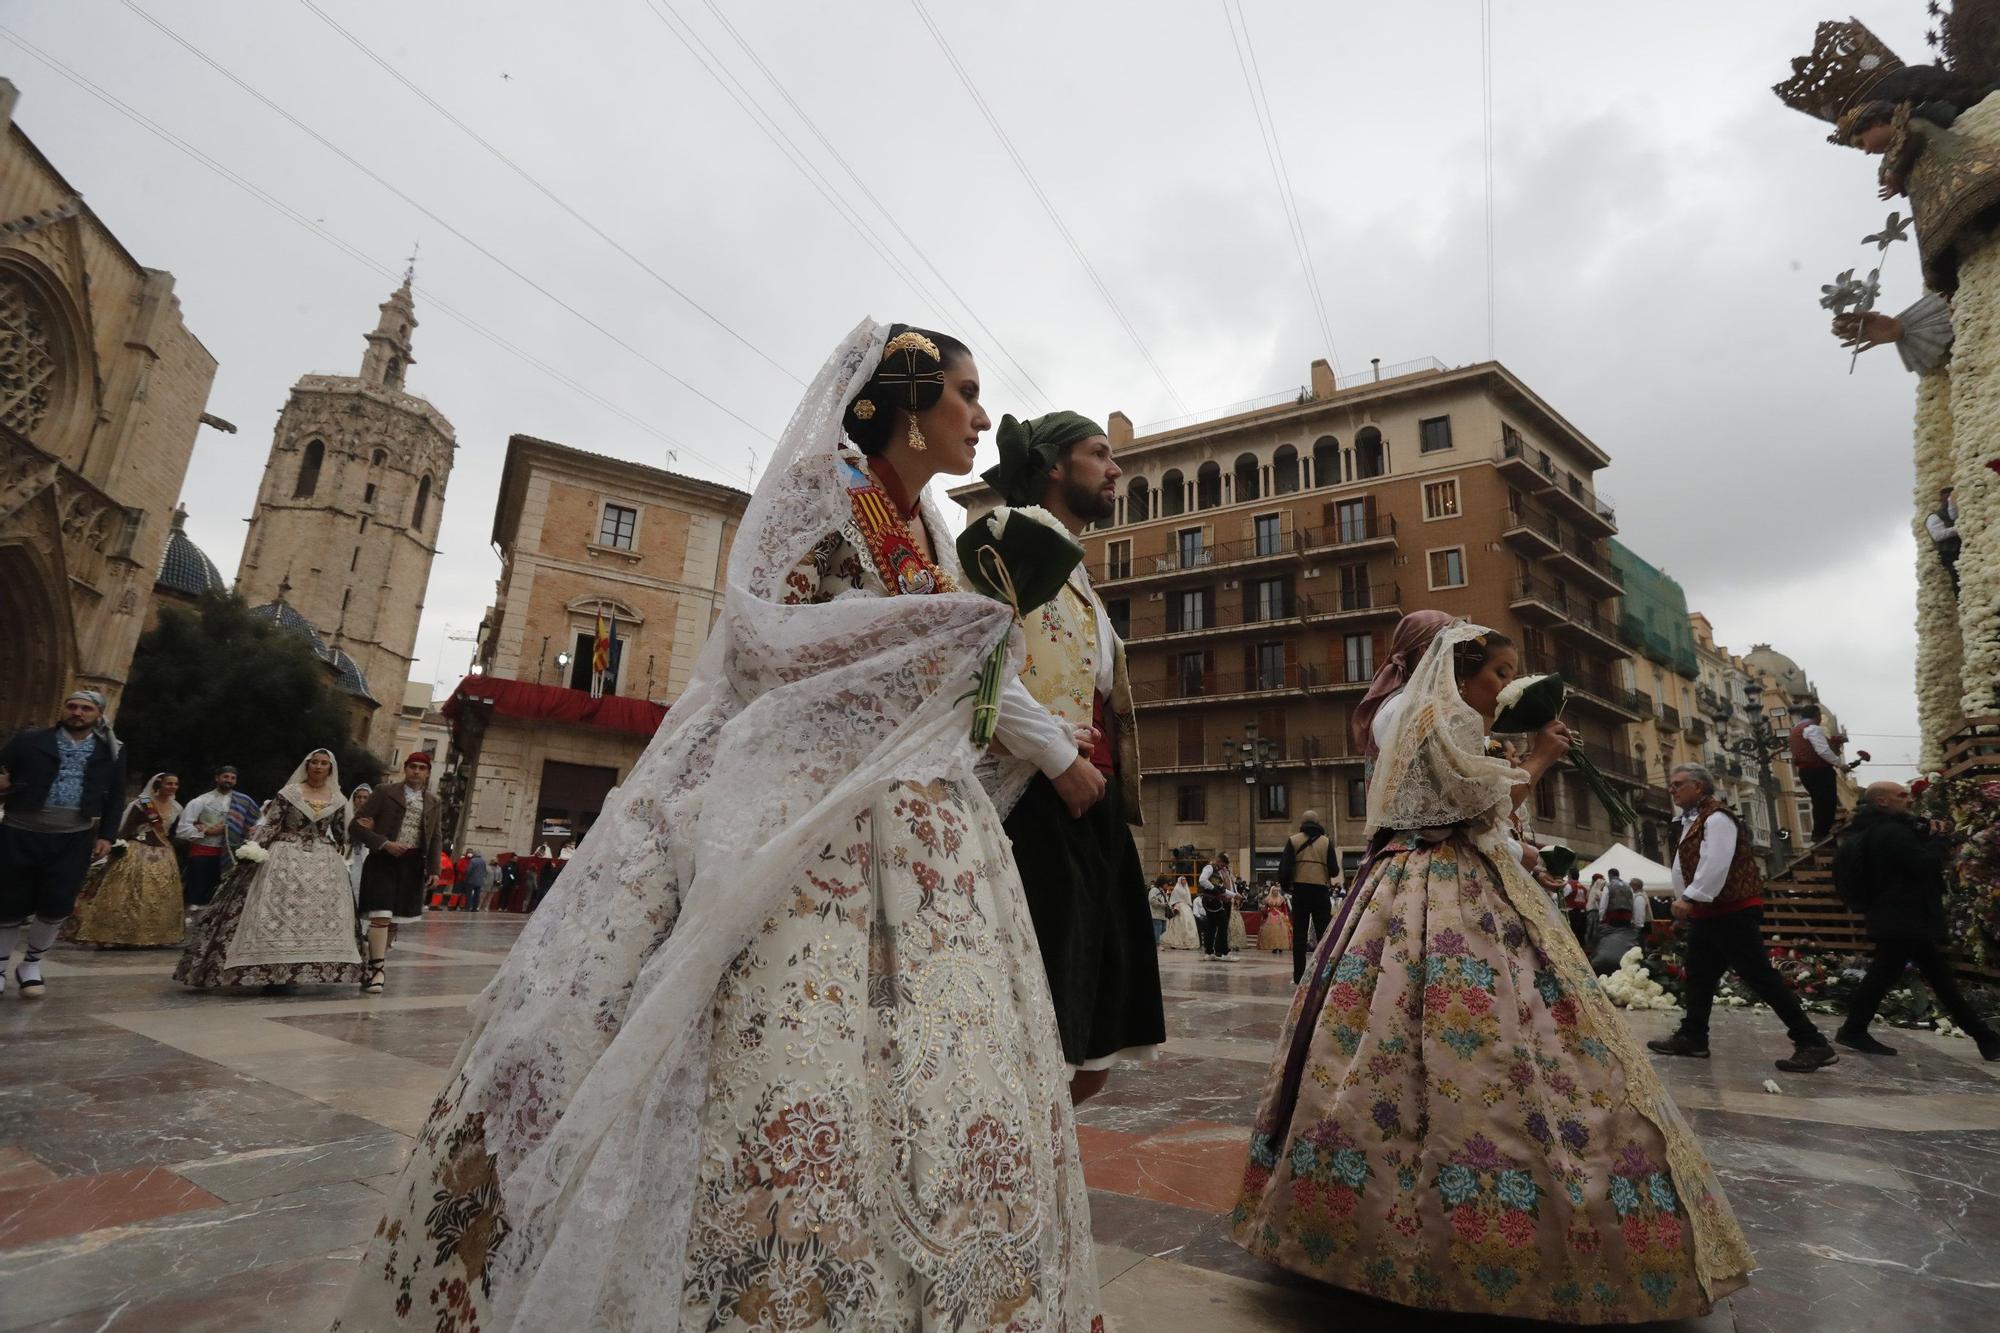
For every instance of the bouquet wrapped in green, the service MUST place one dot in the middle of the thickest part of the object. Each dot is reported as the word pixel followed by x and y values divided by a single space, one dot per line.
pixel 1021 556
pixel 1559 860
pixel 1532 702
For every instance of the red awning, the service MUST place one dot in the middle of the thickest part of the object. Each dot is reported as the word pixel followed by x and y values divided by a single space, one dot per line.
pixel 553 703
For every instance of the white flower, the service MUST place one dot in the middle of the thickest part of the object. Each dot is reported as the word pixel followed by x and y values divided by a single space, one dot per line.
pixel 1516 687
pixel 998 518
pixel 1771 1085
pixel 251 852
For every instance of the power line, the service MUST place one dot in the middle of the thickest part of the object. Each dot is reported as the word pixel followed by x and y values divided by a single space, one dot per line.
pixel 766 123
pixel 354 252
pixel 1048 205
pixel 375 176
pixel 1274 153
pixel 889 214
pixel 545 191
pixel 1486 98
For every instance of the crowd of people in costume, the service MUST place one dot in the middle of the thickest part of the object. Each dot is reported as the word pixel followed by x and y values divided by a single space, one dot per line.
pixel 797 1037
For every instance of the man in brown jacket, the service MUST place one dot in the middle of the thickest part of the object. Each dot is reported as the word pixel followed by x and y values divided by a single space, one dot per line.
pixel 400 828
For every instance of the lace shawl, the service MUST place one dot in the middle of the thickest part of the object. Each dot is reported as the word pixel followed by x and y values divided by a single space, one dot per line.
pixel 590 1068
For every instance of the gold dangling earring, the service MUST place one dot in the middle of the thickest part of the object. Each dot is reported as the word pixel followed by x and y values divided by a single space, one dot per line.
pixel 916 439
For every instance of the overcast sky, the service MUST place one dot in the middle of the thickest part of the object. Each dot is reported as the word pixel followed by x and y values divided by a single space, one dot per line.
pixel 1662 225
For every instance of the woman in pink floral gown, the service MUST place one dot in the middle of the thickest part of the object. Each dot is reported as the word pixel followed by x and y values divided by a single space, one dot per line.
pixel 1456 1118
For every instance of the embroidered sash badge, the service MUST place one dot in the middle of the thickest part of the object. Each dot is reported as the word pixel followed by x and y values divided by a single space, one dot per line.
pixel 897 559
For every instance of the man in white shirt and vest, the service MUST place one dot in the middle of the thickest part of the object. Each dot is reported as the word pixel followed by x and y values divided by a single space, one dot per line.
pixel 1817 759
pixel 1308 872
pixel 1942 525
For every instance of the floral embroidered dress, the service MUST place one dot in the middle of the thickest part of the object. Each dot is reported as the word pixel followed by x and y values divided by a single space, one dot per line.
pixel 289 918
pixel 133 900
pixel 1456 1118
pixel 884 1139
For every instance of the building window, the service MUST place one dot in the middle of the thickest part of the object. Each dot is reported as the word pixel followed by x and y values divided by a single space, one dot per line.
pixel 1579 800
pixel 1191 804
pixel 1268 536
pixel 354 561
pixel 1371 456
pixel 1188 542
pixel 1359 659
pixel 368 494
pixel 1189 610
pixel 580 661
pixel 1357 798
pixel 1448 568
pixel 1441 499
pixel 1545 799
pixel 1270 666
pixel 1120 611
pixel 1118 560
pixel 1433 435
pixel 1191 674
pixel 1510 439
pixel 1274 800
pixel 1350 521
pixel 308 481
pixel 1270 599
pixel 617 526
pixel 1354 588
pixel 423 503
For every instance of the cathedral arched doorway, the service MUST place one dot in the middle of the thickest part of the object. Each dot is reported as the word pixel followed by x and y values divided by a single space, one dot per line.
pixel 36 655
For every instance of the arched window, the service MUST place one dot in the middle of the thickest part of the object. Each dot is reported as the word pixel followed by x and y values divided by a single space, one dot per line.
pixel 1370 457
pixel 1285 470
pixel 1246 477
pixel 309 470
pixel 393 376
pixel 423 501
pixel 1326 461
pixel 378 458
pixel 1208 486
pixel 1173 494
pixel 1137 494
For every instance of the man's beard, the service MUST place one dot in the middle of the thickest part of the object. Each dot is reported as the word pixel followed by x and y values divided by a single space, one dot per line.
pixel 1087 504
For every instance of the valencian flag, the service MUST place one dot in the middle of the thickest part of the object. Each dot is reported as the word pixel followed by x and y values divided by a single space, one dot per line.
pixel 602 659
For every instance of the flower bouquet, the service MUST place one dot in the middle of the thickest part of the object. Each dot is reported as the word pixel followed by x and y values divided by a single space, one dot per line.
pixel 1532 702
pixel 1558 860
pixel 1020 556
pixel 253 852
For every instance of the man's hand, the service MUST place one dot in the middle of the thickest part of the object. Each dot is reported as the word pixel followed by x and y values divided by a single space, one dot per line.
pixel 1681 909
pixel 1080 786
pixel 430 883
pixel 1870 328
pixel 211 830
pixel 1086 740
pixel 101 850
pixel 396 848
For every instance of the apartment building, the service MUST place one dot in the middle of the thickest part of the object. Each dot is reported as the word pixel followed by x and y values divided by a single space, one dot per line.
pixel 1258 563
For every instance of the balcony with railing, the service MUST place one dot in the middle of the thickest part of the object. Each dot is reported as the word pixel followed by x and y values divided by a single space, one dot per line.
pixel 1617 765
pixel 1593 687
pixel 1364 601
pixel 1177 562
pixel 1165 621
pixel 1215 754
pixel 1334 677
pixel 1374 532
pixel 1670 717
pixel 1184 685
pixel 1532 531
pixel 1577 560
pixel 1697 729
pixel 1526 466
pixel 1568 494
pixel 1544 603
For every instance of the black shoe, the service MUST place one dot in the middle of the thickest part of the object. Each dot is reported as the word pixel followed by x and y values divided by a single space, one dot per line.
pixel 1989 1044
pixel 1805 1059
pixel 1862 1042
pixel 1678 1045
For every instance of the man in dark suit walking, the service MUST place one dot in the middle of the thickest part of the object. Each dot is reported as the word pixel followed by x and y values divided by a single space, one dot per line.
pixel 400 826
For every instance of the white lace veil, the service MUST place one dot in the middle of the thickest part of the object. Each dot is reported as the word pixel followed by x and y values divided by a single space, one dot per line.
pixel 294 792
pixel 590 1066
pixel 1434 770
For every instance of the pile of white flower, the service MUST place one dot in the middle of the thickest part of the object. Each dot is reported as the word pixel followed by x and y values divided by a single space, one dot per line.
pixel 252 852
pixel 1939 655
pixel 1632 987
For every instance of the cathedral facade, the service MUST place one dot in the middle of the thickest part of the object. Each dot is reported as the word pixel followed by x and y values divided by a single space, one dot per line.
pixel 102 391
pixel 346 522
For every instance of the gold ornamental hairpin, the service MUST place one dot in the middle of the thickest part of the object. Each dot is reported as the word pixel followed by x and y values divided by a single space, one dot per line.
pixel 864 410
pixel 911 340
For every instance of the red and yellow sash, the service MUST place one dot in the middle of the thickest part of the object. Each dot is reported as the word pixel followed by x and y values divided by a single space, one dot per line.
pixel 902 566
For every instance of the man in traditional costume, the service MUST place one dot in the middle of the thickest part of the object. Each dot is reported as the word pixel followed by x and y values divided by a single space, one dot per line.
pixel 401 826
pixel 64 788
pixel 1080 869
pixel 204 827
pixel 1309 871
pixel 1817 759
pixel 1719 896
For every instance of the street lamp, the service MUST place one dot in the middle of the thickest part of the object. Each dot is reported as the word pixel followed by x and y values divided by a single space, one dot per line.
pixel 1761 746
pixel 1250 757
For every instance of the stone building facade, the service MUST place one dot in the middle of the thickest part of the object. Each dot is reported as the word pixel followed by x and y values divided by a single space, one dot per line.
pixel 1258 564
pixel 102 390
pixel 346 522
pixel 580 535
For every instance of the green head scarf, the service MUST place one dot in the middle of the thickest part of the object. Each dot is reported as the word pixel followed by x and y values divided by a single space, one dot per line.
pixel 1029 449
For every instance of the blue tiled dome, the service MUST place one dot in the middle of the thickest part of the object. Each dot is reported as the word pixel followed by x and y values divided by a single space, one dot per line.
pixel 184 567
pixel 286 617
pixel 351 679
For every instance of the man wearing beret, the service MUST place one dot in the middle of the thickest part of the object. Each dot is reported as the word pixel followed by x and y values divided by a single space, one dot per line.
pixel 64 794
pixel 401 826
pixel 1085 886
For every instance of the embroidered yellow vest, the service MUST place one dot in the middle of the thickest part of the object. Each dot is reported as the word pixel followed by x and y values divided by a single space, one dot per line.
pixel 1061 665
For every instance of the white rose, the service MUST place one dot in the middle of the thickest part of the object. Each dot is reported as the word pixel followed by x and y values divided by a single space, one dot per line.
pixel 251 852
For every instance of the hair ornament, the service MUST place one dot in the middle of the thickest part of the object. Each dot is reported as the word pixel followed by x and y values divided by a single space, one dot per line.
pixel 864 410
pixel 911 340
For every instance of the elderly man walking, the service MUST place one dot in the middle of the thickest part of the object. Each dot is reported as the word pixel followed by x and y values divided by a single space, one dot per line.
pixel 1890 867
pixel 1308 872
pixel 1719 896
pixel 64 788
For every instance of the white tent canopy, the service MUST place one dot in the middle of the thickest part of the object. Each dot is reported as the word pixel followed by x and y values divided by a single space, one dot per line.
pixel 1629 864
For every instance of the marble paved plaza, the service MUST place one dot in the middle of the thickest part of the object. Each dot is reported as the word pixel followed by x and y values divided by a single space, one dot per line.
pixel 185 1162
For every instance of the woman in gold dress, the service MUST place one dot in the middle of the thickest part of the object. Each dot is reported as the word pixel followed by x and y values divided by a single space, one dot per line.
pixel 132 900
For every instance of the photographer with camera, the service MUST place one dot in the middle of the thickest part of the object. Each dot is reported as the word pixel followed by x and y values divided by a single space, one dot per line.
pixel 1890 867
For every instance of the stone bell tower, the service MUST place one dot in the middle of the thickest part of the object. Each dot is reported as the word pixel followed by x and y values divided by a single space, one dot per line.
pixel 346 522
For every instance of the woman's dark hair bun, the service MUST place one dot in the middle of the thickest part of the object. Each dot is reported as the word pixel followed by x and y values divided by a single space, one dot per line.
pixel 1469 655
pixel 910 377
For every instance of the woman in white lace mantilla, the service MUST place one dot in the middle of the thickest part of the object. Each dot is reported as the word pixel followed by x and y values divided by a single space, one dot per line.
pixel 778 1051
pixel 1456 1117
